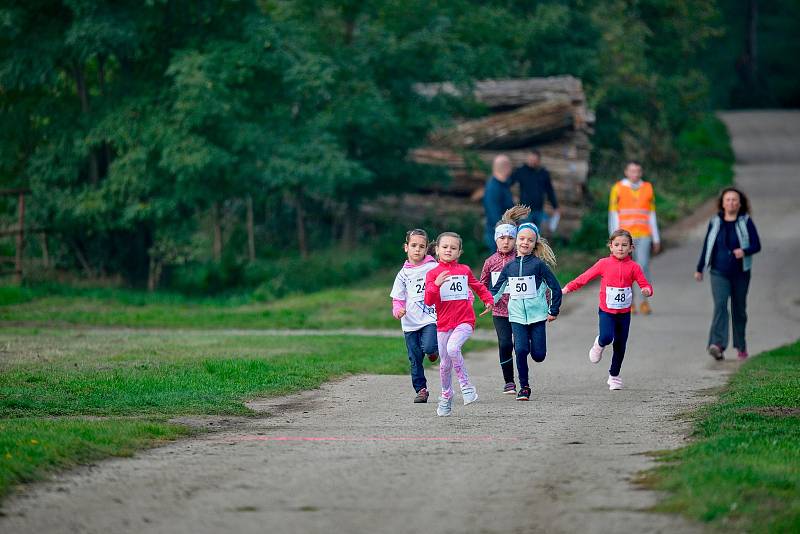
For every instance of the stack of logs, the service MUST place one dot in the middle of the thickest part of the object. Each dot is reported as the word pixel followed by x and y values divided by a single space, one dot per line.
pixel 549 114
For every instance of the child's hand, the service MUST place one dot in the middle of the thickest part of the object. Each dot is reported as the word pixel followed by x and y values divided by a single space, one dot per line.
pixel 442 278
pixel 400 313
pixel 487 310
pixel 551 318
pixel 647 292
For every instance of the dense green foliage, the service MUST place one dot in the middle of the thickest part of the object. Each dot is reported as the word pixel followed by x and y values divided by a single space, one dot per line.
pixel 148 131
pixel 743 472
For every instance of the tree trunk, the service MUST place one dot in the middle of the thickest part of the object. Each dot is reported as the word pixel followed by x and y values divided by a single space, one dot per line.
pixel 251 233
pixel 82 259
pixel 512 129
pixel 83 94
pixel 300 225
pixel 45 250
pixel 752 41
pixel 216 217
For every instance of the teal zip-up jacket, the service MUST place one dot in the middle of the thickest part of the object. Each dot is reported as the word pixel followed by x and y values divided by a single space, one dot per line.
pixel 530 310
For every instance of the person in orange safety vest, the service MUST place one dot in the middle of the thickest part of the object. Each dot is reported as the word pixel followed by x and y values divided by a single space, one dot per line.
pixel 632 207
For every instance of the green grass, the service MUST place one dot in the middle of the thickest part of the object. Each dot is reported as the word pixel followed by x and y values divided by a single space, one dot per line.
pixel 68 397
pixel 743 470
pixel 350 307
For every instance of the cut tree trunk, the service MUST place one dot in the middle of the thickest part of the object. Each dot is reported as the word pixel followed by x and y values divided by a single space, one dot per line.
pixel 512 129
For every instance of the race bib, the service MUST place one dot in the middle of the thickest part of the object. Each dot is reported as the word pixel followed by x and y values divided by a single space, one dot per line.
pixel 522 287
pixel 416 288
pixel 618 298
pixel 454 288
pixel 495 278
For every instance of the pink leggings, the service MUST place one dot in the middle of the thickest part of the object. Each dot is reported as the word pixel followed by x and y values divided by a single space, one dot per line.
pixel 450 344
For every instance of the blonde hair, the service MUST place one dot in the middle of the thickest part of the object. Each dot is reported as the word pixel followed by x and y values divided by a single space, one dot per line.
pixel 514 215
pixel 542 250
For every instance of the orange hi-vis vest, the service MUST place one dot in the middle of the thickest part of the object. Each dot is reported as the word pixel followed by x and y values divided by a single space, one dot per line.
pixel 634 207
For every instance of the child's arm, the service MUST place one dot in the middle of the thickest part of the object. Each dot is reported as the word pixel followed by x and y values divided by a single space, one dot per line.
pixel 399 296
pixel 555 289
pixel 498 289
pixel 432 296
pixel 644 285
pixel 398 308
pixel 481 290
pixel 590 274
pixel 486 276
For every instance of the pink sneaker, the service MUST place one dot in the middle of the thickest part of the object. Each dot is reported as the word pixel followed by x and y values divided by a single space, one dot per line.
pixel 614 383
pixel 596 352
pixel 742 355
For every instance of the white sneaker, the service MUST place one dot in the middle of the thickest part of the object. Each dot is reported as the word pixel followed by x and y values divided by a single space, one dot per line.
pixel 614 383
pixel 596 352
pixel 445 407
pixel 469 393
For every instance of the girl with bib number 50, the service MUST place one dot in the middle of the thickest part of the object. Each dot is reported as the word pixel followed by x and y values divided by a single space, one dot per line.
pixel 618 272
pixel 448 287
pixel 528 278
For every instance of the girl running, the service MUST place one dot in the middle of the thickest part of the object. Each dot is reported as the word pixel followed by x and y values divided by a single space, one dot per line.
pixel 528 278
pixel 618 272
pixel 505 235
pixel 448 288
pixel 417 320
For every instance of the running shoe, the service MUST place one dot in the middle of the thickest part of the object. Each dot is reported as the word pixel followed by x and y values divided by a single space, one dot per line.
pixel 510 389
pixel 596 352
pixel 524 393
pixel 614 383
pixel 422 396
pixel 433 357
pixel 716 352
pixel 469 393
pixel 445 407
pixel 742 355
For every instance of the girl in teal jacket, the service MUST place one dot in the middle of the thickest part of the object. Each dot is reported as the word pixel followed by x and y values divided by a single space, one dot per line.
pixel 529 278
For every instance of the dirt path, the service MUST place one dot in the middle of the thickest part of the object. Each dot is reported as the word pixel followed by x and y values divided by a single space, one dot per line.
pixel 358 456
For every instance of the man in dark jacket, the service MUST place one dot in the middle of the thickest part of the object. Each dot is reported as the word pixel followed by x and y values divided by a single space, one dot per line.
pixel 534 185
pixel 497 196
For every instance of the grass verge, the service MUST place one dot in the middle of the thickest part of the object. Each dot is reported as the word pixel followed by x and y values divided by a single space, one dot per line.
pixel 743 470
pixel 72 397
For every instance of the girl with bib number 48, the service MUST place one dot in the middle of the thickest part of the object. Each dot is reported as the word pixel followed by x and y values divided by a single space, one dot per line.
pixel 528 279
pixel 448 287
pixel 417 320
pixel 618 272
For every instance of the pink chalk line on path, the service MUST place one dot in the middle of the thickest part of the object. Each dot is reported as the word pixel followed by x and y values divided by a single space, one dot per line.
pixel 465 439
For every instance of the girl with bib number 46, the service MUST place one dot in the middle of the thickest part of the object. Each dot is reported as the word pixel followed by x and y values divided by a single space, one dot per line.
pixel 448 287
pixel 417 320
pixel 618 272
pixel 528 279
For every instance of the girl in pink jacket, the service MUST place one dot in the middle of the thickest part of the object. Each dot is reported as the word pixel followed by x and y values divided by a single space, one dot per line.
pixel 618 272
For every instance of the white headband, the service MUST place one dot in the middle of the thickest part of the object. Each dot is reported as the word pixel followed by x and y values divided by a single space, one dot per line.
pixel 505 230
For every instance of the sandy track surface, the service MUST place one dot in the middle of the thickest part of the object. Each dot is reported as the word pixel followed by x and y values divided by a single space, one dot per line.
pixel 358 456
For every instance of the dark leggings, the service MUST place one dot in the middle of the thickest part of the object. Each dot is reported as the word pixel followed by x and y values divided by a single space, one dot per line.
pixel 529 339
pixel 614 328
pixel 505 345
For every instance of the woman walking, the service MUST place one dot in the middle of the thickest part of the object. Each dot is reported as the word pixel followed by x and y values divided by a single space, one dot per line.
pixel 731 241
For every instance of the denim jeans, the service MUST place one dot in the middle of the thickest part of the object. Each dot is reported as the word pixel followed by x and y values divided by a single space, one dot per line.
pixel 529 339
pixel 614 328
pixel 724 288
pixel 419 343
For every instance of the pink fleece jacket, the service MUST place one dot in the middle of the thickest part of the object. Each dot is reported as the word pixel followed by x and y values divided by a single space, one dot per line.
pixel 495 263
pixel 614 273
